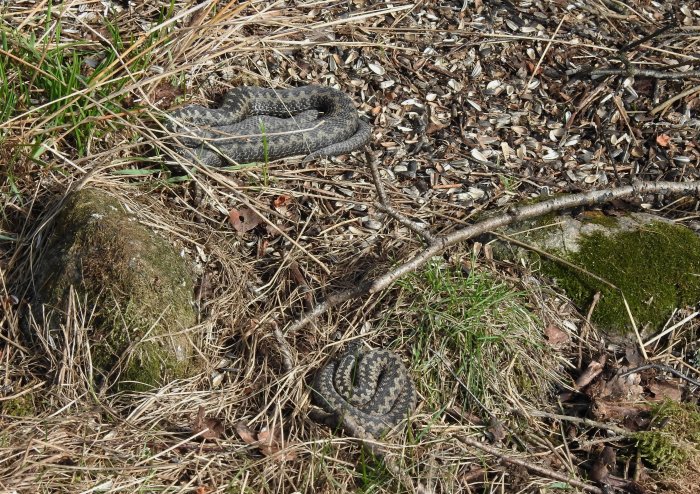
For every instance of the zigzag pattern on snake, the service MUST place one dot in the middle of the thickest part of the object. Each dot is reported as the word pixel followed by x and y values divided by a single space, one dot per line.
pixel 371 388
pixel 257 124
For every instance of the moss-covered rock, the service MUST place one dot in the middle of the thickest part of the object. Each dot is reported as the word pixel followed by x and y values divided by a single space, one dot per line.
pixel 140 287
pixel 654 263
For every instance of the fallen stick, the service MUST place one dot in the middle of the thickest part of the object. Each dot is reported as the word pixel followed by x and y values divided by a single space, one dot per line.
pixel 513 215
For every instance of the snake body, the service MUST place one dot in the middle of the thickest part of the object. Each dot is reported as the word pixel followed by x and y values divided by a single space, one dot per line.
pixel 370 390
pixel 257 124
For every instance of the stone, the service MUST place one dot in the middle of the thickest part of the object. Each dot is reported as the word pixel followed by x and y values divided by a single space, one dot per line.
pixel 141 290
pixel 652 261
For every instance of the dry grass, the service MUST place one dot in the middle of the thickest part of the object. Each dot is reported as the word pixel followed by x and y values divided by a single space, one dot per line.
pixel 83 93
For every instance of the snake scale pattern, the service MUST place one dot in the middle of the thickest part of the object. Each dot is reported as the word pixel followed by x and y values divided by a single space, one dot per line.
pixel 259 124
pixel 367 389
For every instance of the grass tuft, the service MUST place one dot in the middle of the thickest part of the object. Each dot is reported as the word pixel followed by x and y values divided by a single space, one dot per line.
pixel 474 339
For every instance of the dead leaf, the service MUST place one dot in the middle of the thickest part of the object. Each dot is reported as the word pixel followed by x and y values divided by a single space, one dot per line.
pixel 599 470
pixel 555 336
pixel 165 94
pixel 663 140
pixel 532 68
pixel 244 219
pixel 213 428
pixel 666 391
pixel 519 477
pixel 594 368
pixel 272 442
pixel 202 489
pixel 274 230
pixel 434 127
pixel 608 411
pixel 262 247
pixel 625 388
pixel 245 433
pixel 633 356
pixel 281 201
pixel 497 430
pixel 472 473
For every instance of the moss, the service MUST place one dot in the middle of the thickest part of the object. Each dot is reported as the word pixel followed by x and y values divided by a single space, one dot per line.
pixel 139 285
pixel 657 269
pixel 22 406
pixel 672 444
pixel 598 218
pixel 153 363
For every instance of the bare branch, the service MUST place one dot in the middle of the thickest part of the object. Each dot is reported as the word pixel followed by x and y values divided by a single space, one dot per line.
pixel 654 74
pixel 385 206
pixel 440 243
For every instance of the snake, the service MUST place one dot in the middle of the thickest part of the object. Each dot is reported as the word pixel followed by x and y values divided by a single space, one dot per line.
pixel 365 391
pixel 262 124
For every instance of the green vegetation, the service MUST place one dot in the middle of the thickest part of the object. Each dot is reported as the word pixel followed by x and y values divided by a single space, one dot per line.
pixel 657 268
pixel 673 442
pixel 22 406
pixel 466 330
pixel 61 93
pixel 372 472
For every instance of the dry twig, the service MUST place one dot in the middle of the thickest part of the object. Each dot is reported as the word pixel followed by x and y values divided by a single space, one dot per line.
pixel 385 206
pixel 654 74
pixel 441 243
pixel 546 472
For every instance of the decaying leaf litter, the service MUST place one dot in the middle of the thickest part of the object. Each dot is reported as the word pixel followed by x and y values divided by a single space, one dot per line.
pixel 474 108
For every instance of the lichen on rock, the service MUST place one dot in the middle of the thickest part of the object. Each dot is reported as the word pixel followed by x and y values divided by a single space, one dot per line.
pixel 140 287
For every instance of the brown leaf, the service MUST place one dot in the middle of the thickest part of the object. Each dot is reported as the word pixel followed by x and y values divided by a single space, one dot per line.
pixel 272 441
pixel 473 473
pixel 262 247
pixel 244 219
pixel 605 410
pixel 281 201
pixel 274 231
pixel 269 441
pixel 625 388
pixel 165 94
pixel 666 391
pixel 634 356
pixel 608 456
pixel 599 470
pixel 497 430
pixel 213 428
pixel 285 206
pixel 434 127
pixel 245 433
pixel 519 477
pixel 532 68
pixel 594 368
pixel 663 140
pixel 555 336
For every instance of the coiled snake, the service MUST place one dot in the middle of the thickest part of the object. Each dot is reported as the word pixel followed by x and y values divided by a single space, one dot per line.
pixel 257 124
pixel 366 391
